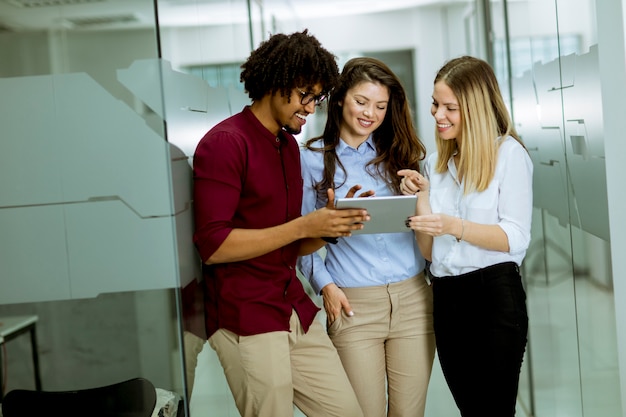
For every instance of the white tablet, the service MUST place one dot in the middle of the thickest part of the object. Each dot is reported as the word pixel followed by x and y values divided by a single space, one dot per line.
pixel 387 214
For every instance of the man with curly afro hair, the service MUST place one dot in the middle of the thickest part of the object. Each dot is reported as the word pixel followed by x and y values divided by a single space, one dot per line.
pixel 249 232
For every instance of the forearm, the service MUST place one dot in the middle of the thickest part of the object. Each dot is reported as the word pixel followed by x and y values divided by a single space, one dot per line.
pixel 423 203
pixel 243 244
pixel 313 269
pixel 310 245
pixel 425 245
pixel 424 241
pixel 486 236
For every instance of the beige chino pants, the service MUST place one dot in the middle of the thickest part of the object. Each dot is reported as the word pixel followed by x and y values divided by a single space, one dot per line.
pixel 268 373
pixel 387 348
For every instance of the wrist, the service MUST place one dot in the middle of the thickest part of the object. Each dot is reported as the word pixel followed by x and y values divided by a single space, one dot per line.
pixel 460 237
pixel 327 287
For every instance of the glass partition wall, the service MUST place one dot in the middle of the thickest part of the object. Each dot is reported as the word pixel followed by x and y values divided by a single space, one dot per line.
pixel 102 105
pixel 95 208
pixel 546 54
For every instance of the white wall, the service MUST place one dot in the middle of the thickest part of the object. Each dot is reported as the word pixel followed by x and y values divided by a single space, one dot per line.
pixel 426 30
pixel 205 45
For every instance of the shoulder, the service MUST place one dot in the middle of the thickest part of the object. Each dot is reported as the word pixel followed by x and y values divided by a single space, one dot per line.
pixel 226 136
pixel 235 125
pixel 431 162
pixel 317 144
pixel 311 156
pixel 510 147
pixel 513 153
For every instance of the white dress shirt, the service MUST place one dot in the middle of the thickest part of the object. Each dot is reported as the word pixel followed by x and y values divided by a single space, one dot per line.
pixel 507 202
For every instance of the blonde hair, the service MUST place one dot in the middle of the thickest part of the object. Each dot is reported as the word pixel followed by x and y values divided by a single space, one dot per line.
pixel 485 121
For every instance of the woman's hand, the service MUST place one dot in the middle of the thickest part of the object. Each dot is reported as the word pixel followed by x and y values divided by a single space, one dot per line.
pixel 352 191
pixel 433 224
pixel 487 236
pixel 412 182
pixel 334 301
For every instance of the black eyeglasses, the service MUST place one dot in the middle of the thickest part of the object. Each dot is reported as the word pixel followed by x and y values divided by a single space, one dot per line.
pixel 306 98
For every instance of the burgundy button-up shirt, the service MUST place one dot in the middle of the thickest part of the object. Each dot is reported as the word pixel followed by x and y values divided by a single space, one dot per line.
pixel 246 177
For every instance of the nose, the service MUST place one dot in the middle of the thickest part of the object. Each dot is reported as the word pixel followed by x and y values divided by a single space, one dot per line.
pixel 310 107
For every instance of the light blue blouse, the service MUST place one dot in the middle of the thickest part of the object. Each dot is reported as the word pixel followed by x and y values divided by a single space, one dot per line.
pixel 360 260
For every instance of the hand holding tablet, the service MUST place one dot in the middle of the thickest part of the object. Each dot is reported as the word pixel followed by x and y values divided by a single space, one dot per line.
pixel 387 214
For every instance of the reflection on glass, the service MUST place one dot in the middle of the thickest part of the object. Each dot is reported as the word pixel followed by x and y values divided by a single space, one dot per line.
pixel 95 223
pixel 101 110
pixel 572 360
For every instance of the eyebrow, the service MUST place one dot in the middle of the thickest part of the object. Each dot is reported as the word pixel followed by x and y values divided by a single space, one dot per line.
pixel 369 99
pixel 450 103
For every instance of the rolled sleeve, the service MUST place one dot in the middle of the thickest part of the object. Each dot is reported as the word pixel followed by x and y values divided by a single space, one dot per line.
pixel 312 266
pixel 314 270
pixel 516 196
pixel 217 168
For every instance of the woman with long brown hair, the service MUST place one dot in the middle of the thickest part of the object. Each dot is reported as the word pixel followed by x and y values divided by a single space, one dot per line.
pixel 377 301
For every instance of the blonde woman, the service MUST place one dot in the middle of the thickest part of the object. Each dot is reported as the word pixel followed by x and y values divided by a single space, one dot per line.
pixel 474 217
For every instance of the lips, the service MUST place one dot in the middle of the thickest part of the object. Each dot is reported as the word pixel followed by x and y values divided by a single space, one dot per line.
pixel 365 123
pixel 301 118
pixel 442 127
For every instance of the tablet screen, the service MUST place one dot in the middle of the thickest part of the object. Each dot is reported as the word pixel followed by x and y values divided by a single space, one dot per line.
pixel 387 214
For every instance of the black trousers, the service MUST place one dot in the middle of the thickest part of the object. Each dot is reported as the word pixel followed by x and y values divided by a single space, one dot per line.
pixel 481 328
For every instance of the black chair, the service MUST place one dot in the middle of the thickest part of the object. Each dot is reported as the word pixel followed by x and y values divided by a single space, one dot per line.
pixel 133 398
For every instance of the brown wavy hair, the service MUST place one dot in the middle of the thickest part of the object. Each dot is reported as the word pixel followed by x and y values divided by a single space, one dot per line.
pixel 397 144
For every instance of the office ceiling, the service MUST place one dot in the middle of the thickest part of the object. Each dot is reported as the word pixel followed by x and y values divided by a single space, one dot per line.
pixel 31 15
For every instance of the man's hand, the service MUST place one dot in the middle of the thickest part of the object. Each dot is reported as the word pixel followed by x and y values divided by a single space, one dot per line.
pixel 326 224
pixel 331 222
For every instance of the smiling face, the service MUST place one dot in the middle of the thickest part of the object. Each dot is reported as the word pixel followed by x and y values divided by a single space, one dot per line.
pixel 278 112
pixel 447 112
pixel 364 109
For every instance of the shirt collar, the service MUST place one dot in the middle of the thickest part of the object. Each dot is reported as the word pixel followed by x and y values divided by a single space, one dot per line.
pixel 452 168
pixel 275 140
pixel 367 145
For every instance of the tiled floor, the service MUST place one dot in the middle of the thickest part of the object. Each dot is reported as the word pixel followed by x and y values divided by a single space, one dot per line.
pixel 573 357
pixel 573 350
pixel 211 397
